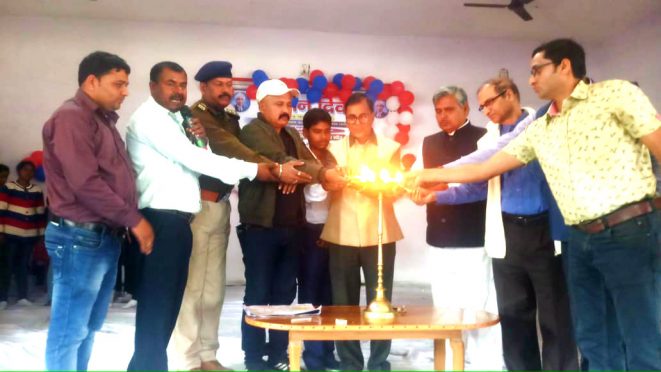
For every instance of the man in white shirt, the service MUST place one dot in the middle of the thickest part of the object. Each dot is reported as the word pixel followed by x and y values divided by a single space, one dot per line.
pixel 167 167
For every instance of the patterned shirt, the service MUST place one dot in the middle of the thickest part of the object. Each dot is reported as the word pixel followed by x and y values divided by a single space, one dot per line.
pixel 591 151
pixel 22 210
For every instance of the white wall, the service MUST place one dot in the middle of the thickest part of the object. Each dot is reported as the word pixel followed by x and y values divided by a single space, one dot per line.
pixel 39 59
pixel 634 55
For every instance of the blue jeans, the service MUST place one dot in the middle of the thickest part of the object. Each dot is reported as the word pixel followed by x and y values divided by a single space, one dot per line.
pixel 623 262
pixel 84 269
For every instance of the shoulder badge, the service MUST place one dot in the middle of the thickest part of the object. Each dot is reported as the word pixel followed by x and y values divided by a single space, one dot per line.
pixel 202 106
pixel 229 109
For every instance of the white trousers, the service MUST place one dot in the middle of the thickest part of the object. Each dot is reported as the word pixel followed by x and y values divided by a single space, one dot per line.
pixel 195 336
pixel 461 278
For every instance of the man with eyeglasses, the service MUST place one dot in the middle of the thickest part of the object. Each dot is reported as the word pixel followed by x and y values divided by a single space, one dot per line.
pixel 527 268
pixel 456 253
pixel 351 227
pixel 594 146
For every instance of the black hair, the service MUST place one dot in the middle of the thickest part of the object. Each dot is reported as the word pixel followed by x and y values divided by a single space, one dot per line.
pixel 4 168
pixel 315 116
pixel 559 49
pixel 158 68
pixel 100 63
pixel 357 98
pixel 24 164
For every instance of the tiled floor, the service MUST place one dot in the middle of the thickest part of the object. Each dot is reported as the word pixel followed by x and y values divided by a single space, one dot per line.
pixel 23 336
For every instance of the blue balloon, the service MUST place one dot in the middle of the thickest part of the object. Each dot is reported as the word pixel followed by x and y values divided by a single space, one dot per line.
pixel 314 95
pixel 40 174
pixel 376 87
pixel 294 102
pixel 337 79
pixel 359 84
pixel 372 96
pixel 259 76
pixel 303 85
pixel 319 82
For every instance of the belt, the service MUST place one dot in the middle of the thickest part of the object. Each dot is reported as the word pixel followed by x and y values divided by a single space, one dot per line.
pixel 185 215
pixel 620 215
pixel 212 196
pixel 526 220
pixel 97 227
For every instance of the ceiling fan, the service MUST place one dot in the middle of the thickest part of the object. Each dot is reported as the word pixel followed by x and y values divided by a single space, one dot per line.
pixel 517 6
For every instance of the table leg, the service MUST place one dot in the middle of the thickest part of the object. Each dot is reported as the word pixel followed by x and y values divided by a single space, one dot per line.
pixel 457 345
pixel 439 355
pixel 295 350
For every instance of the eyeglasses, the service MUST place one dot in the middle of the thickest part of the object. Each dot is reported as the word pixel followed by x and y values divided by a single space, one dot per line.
pixel 536 69
pixel 363 118
pixel 490 101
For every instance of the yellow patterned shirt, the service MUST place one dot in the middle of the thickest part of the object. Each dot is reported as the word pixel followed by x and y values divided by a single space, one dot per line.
pixel 591 151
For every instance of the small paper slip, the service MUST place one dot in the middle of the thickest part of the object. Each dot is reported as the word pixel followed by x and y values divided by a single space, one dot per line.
pixel 263 311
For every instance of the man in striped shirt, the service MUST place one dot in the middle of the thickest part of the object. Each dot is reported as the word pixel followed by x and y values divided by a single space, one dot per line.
pixel 22 223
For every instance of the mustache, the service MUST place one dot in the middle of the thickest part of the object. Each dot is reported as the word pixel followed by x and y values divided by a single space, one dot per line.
pixel 177 97
pixel 225 95
pixel 284 116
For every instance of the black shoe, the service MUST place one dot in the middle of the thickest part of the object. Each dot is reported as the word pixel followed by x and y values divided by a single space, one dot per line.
pixel 257 365
pixel 280 366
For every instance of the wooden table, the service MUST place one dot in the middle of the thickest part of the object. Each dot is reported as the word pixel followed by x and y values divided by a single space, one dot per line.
pixel 419 322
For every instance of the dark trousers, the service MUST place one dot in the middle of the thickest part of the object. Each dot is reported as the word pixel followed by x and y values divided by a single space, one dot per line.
pixel 345 265
pixel 5 274
pixel 270 256
pixel 314 286
pixel 16 262
pixel 622 265
pixel 127 268
pixel 161 284
pixel 531 287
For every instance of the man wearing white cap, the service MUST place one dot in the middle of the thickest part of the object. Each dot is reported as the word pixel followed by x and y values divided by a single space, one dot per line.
pixel 272 221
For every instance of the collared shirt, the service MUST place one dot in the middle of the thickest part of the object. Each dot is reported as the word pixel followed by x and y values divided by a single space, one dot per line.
pixel 523 189
pixel 167 165
pixel 455 131
pixel 89 175
pixel 591 151
pixel 352 215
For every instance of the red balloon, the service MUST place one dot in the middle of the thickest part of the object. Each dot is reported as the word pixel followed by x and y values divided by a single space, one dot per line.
pixel 404 128
pixel 331 90
pixel 405 108
pixel 408 160
pixel 406 98
pixel 367 81
pixel 315 73
pixel 402 138
pixel 251 91
pixel 37 157
pixel 348 82
pixel 344 95
pixel 397 87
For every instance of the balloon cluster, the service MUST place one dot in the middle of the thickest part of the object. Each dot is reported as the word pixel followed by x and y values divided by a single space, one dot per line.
pixel 37 158
pixel 398 100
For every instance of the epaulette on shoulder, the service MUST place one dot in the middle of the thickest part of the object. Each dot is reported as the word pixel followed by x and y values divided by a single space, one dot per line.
pixel 231 111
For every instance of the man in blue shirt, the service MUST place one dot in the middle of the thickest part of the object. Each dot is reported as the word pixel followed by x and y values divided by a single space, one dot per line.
pixel 527 270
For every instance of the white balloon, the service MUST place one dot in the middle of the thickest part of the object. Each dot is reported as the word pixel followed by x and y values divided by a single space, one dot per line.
pixel 406 118
pixel 390 131
pixel 392 118
pixel 392 103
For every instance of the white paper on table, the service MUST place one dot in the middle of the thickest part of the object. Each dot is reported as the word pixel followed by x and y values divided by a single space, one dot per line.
pixel 263 311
